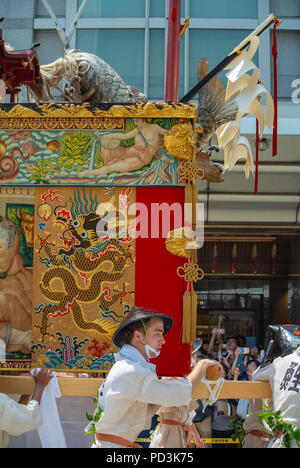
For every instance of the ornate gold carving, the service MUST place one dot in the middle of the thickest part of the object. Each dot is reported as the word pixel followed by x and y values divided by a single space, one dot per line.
pixel 188 172
pixel 180 141
pixel 150 109
pixel 80 116
pixel 19 111
pixel 180 241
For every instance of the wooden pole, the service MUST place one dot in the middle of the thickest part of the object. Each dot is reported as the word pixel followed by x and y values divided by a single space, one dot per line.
pixel 172 61
pixel 88 387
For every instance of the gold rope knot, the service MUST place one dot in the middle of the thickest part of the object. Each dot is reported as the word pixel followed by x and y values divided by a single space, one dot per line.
pixel 190 272
pixel 188 172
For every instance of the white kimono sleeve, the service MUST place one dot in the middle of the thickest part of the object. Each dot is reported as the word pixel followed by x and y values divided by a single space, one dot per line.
pixel 165 392
pixel 265 373
pixel 15 419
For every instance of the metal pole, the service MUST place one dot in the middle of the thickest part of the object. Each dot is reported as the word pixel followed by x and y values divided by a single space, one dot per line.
pixel 172 62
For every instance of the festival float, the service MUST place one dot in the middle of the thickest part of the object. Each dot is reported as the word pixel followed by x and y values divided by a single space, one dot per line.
pixel 98 199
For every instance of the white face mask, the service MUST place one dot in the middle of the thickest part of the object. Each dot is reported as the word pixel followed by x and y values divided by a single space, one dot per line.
pixel 149 349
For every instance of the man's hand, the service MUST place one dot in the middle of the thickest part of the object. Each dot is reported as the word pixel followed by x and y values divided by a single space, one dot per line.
pixel 199 371
pixel 42 377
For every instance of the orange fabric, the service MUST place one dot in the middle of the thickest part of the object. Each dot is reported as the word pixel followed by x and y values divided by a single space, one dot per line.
pixel 116 440
pixel 170 422
pixel 258 433
pixel 191 430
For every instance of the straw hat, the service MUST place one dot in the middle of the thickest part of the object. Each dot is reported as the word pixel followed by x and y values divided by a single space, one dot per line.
pixel 135 315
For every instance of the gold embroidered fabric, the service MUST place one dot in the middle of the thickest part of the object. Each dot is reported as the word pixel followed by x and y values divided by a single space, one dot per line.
pixel 84 272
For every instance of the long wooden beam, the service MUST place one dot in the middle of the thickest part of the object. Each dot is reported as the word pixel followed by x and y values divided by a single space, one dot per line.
pixel 88 387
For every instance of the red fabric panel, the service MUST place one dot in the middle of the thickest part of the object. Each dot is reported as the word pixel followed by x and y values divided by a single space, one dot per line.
pixel 157 285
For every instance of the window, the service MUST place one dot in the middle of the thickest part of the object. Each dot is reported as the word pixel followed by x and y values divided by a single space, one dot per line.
pixel 156 64
pixel 286 8
pixel 58 6
pixel 157 8
pixel 113 9
pixel 288 62
pixel 51 47
pixel 214 45
pixel 223 9
pixel 123 49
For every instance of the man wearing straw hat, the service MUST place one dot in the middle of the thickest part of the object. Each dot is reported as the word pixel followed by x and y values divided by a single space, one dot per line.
pixel 132 392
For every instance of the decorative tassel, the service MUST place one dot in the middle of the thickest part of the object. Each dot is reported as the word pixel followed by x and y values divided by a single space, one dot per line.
pixel 274 254
pixel 192 273
pixel 234 255
pixel 187 317
pixel 256 158
pixel 275 97
pixel 188 193
pixel 189 322
pixel 254 256
pixel 193 331
pixel 188 199
pixel 194 205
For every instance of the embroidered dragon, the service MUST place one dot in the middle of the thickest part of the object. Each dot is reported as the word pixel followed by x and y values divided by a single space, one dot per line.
pixel 87 252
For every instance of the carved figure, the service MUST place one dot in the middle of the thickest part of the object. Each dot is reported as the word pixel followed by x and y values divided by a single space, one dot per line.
pixel 89 79
pixel 213 109
pixel 131 158
pixel 212 170
pixel 15 291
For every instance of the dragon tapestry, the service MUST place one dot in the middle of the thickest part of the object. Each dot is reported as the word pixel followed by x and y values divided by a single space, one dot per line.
pixel 84 275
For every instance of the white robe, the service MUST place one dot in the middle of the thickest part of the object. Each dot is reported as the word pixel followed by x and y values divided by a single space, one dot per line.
pixel 15 419
pixel 128 392
pixel 283 375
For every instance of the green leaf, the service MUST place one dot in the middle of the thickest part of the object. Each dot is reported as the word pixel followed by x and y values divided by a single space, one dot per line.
pixel 266 407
